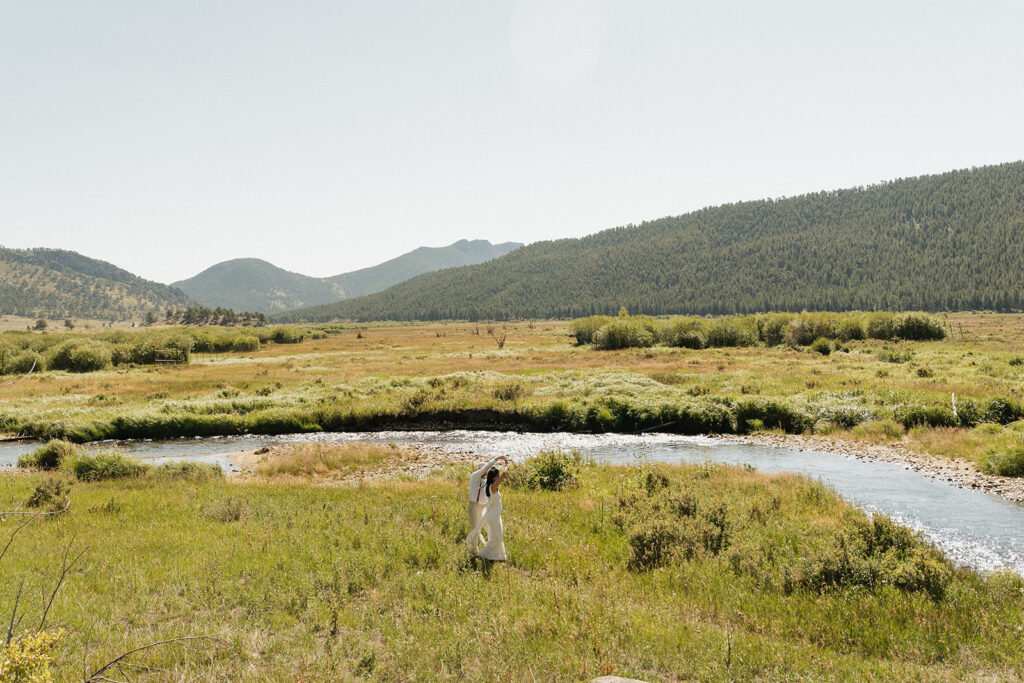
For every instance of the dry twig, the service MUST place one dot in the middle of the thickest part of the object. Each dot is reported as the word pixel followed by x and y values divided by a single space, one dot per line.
pixel 98 675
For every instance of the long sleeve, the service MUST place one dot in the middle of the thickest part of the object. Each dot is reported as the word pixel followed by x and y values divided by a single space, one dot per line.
pixel 475 479
pixel 486 468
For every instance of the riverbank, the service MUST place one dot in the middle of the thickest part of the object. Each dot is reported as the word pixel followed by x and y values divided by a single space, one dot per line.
pixel 954 471
pixel 651 572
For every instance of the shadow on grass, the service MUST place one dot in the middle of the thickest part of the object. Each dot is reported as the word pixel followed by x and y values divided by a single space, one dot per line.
pixel 472 563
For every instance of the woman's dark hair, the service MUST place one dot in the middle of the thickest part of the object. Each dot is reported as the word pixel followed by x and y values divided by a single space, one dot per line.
pixel 492 474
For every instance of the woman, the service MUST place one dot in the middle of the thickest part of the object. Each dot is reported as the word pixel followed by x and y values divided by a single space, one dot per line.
pixel 494 549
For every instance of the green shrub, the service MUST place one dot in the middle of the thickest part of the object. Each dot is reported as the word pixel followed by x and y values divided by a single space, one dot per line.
pixel 189 471
pixel 548 471
pixel 1008 463
pixel 732 332
pixel 772 328
pixel 103 465
pixel 623 333
pixel 844 417
pixel 510 390
pixel 918 327
pixel 151 349
pixel 1003 410
pixel 969 412
pixel 805 328
pixel 23 362
pixel 49 455
pixel 584 329
pixel 889 355
pixel 685 333
pixel 877 553
pixel 288 335
pixel 770 414
pixel 822 346
pixel 246 342
pixel 80 356
pixel 652 543
pixel 850 328
pixel 927 416
pixel 880 325
pixel 51 493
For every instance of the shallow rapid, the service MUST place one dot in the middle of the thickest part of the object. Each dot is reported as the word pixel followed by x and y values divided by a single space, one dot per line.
pixel 975 529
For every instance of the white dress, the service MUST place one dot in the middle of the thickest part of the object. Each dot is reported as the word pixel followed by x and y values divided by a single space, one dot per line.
pixel 494 549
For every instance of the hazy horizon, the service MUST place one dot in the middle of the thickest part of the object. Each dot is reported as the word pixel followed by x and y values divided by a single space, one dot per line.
pixel 327 137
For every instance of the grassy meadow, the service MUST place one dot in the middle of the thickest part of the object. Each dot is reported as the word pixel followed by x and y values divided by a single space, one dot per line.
pixel 457 374
pixel 314 567
pixel 654 572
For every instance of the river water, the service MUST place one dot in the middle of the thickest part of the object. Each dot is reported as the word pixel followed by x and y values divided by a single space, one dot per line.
pixel 976 529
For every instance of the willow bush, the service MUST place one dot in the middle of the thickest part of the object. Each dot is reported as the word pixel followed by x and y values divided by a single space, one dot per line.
pixel 769 329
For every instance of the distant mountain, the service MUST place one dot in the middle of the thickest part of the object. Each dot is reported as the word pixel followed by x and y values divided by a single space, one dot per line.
pixel 953 241
pixel 417 262
pixel 254 285
pixel 250 284
pixel 52 283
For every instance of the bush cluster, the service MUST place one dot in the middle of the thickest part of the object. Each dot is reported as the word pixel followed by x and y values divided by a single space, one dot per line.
pixel 770 329
pixel 872 554
pixel 665 525
pixel 51 493
pixel 547 471
pixel 83 355
pixel 97 351
pixel 101 465
pixel 626 333
pixel 49 455
pixel 668 520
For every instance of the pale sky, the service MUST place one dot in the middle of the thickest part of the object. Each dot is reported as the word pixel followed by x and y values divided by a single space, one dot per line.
pixel 167 135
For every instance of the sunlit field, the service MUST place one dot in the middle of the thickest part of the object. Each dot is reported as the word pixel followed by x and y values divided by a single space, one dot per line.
pixel 661 573
pixel 386 376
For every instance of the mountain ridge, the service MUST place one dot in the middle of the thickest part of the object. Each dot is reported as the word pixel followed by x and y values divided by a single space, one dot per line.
pixel 57 283
pixel 250 284
pixel 950 241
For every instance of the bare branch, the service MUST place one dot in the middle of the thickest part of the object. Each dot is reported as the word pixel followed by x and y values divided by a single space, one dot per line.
pixel 98 675
pixel 14 613
pixel 13 534
pixel 25 376
pixel 30 513
pixel 65 567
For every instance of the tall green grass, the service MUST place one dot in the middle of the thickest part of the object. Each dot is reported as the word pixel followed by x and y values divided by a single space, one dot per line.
pixel 751 578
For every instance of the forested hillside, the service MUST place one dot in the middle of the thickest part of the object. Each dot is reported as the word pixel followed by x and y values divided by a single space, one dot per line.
pixel 52 283
pixel 417 262
pixel 951 241
pixel 250 284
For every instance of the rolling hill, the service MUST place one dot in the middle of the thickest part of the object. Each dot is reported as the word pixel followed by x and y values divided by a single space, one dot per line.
pixel 254 285
pixel 953 241
pixel 52 283
pixel 250 284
